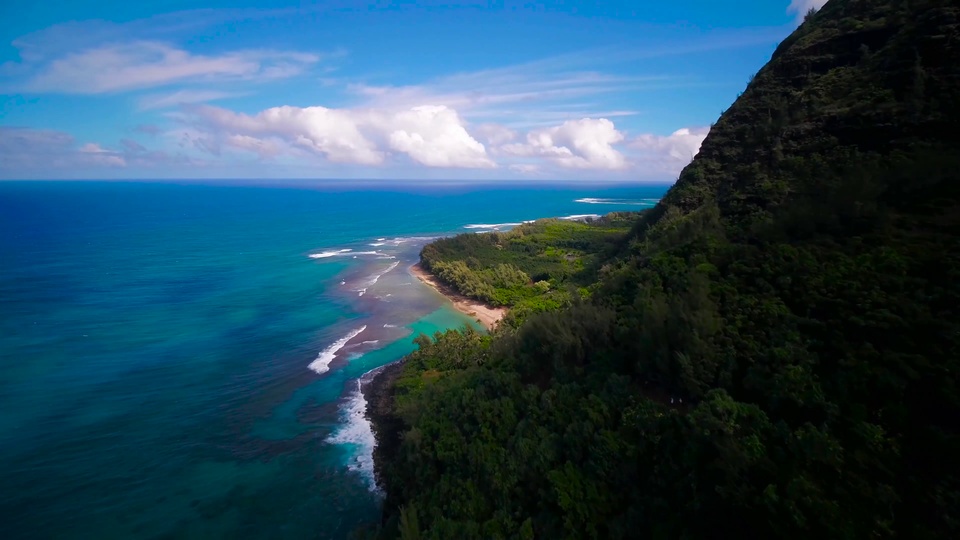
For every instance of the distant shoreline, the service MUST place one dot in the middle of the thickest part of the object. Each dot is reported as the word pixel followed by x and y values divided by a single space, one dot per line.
pixel 486 315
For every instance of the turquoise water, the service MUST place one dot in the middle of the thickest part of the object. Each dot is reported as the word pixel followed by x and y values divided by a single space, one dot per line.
pixel 174 363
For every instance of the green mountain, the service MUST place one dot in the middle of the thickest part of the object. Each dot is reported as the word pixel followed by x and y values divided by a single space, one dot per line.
pixel 772 351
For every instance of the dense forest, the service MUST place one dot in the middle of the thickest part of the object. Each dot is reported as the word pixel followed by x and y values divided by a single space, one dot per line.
pixel 535 267
pixel 770 352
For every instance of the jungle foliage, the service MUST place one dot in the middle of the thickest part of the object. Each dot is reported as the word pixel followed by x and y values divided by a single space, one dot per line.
pixel 772 352
pixel 534 267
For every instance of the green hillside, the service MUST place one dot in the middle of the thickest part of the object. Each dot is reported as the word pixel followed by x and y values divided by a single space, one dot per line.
pixel 772 351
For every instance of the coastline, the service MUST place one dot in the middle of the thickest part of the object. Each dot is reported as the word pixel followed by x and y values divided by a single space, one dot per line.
pixel 486 315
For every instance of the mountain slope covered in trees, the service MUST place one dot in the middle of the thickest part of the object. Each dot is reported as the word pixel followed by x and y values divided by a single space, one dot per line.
pixel 774 350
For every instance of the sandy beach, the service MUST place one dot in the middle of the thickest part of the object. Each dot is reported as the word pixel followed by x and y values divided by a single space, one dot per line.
pixel 484 314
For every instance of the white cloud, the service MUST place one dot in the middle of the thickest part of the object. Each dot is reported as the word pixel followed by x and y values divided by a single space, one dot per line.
pixel 135 65
pixel 671 153
pixel 536 93
pixel 40 153
pixel 22 149
pixel 495 134
pixel 430 135
pixel 97 154
pixel 525 168
pixel 25 149
pixel 801 7
pixel 182 97
pixel 434 136
pixel 263 148
pixel 548 91
pixel 331 132
pixel 581 144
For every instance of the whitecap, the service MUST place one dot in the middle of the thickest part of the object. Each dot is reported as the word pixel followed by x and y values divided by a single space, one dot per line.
pixel 325 254
pixel 492 225
pixel 348 253
pixel 400 240
pixel 322 363
pixel 580 217
pixel 375 278
pixel 631 202
pixel 356 433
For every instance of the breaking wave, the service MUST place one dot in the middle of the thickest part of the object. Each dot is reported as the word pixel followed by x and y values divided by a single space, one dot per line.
pixel 580 217
pixel 376 277
pixel 325 254
pixel 321 364
pixel 355 431
pixel 632 202
pixel 349 253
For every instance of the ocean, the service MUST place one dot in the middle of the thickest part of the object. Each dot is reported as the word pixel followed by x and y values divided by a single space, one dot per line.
pixel 184 359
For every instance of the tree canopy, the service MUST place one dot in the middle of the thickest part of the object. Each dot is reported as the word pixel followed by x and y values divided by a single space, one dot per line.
pixel 772 351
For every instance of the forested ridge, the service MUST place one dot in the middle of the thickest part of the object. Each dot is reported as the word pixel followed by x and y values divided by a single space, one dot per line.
pixel 772 351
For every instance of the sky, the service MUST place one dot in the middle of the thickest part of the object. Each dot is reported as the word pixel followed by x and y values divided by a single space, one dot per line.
pixel 612 91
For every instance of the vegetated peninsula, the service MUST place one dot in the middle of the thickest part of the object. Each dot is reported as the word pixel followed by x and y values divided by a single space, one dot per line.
pixel 537 266
pixel 770 352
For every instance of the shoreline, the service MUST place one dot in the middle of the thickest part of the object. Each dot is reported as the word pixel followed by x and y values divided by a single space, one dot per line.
pixel 486 315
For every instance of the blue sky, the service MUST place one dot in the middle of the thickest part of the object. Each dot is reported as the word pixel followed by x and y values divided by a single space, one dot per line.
pixel 452 90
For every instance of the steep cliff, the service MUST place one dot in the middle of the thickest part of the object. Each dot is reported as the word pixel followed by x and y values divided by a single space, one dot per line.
pixel 775 350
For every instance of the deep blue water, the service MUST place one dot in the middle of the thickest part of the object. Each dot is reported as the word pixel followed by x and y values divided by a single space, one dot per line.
pixel 155 344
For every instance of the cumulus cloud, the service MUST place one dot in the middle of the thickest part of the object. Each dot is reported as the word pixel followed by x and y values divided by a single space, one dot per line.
pixel 581 144
pixel 261 147
pixel 668 154
pixel 333 133
pixel 144 64
pixel 495 134
pixel 434 136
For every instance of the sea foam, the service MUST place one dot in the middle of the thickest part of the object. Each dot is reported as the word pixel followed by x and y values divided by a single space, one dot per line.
pixel 632 202
pixel 325 254
pixel 355 431
pixel 322 363
pixel 580 217
pixel 376 277
pixel 349 253
pixel 490 225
